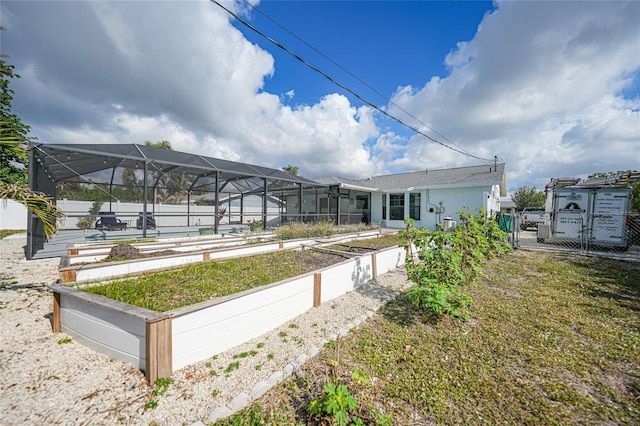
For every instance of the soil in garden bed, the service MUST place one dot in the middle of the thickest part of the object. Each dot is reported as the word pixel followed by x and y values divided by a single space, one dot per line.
pixel 129 252
pixel 167 290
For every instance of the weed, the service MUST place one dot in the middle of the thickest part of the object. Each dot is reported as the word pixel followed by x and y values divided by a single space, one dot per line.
pixel 231 367
pixel 64 340
pixel 336 401
pixel 361 376
pixel 151 404
pixel 260 345
pixel 258 367
pixel 271 356
pixel 161 385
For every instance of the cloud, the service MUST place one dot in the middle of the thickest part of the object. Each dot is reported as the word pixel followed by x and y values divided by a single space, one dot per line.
pixel 545 87
pixel 122 72
pixel 540 87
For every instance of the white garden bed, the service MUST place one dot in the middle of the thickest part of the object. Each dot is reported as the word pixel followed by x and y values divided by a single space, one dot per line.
pixel 160 343
pixel 71 272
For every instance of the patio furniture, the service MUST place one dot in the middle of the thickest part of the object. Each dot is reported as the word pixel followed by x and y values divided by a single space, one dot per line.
pixel 108 221
pixel 151 221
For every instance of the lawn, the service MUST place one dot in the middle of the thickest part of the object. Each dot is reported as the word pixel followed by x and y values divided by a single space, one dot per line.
pixel 553 339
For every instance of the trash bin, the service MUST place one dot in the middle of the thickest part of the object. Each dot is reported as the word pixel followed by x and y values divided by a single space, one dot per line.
pixel 504 222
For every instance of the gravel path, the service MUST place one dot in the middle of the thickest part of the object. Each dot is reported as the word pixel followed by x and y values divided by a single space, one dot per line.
pixel 47 378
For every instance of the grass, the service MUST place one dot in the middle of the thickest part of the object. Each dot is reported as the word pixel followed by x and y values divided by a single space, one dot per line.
pixel 163 291
pixel 389 240
pixel 6 232
pixel 553 339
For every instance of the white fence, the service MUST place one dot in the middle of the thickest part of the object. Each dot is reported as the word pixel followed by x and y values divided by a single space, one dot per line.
pixel 13 215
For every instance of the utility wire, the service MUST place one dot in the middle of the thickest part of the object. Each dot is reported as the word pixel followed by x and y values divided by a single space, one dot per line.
pixel 350 73
pixel 342 86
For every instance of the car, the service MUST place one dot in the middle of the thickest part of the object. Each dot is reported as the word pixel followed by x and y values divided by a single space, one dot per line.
pixel 531 217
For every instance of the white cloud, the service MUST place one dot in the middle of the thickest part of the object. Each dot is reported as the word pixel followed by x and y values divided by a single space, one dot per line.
pixel 539 86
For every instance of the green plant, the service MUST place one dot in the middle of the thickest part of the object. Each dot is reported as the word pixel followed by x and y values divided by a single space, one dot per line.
pixel 151 404
pixel 336 401
pixel 161 385
pixel 159 388
pixel 64 340
pixel 231 367
pixel 254 224
pixel 447 259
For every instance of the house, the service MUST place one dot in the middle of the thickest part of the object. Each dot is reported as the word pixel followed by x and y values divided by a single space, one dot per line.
pixel 427 196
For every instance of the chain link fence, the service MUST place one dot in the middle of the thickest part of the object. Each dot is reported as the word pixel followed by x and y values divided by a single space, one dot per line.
pixel 616 236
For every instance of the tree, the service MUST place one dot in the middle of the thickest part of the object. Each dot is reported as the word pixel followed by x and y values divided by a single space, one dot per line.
pixel 528 197
pixel 13 133
pixel 292 170
pixel 14 158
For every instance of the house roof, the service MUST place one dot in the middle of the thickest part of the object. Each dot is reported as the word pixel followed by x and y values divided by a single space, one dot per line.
pixel 439 178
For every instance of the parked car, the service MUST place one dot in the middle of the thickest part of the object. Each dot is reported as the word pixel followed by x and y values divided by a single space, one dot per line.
pixel 531 217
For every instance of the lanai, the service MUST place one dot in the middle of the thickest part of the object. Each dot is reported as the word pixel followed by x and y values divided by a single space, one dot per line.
pixel 103 164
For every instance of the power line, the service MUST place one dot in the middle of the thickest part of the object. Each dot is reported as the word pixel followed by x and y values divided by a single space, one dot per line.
pixel 342 86
pixel 350 73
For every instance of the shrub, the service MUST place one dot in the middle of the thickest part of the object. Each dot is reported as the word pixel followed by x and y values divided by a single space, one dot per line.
pixel 445 260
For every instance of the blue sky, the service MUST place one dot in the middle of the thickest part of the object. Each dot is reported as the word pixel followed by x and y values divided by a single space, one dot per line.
pixel 383 43
pixel 551 88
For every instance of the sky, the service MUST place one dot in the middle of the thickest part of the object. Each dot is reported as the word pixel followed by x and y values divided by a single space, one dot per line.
pixel 551 88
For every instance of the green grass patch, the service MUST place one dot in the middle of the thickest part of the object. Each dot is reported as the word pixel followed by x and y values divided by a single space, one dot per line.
pixel 552 339
pixel 7 232
pixel 385 241
pixel 172 289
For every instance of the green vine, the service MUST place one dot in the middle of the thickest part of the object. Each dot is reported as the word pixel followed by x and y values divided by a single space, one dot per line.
pixel 447 259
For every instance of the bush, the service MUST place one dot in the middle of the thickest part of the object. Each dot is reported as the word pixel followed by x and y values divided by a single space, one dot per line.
pixel 446 260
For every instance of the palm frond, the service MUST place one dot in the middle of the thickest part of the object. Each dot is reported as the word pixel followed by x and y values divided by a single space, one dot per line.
pixel 39 203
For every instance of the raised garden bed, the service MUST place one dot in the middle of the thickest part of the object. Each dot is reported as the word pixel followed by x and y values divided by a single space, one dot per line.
pixel 105 270
pixel 161 342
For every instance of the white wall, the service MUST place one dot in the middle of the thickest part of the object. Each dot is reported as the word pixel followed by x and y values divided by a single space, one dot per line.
pixel 13 215
pixel 453 201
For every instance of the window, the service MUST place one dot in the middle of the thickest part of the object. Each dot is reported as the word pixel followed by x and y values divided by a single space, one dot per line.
pixel 414 206
pixel 384 206
pixel 396 206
